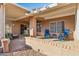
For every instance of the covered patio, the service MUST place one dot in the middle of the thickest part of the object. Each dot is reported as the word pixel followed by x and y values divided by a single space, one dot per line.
pixel 55 19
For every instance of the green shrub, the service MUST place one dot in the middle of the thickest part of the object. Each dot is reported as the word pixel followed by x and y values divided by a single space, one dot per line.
pixel 6 35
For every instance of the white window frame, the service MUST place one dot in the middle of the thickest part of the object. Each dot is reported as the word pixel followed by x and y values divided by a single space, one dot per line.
pixel 56 24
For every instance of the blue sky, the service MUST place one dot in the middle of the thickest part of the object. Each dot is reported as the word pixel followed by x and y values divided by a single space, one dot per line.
pixel 31 6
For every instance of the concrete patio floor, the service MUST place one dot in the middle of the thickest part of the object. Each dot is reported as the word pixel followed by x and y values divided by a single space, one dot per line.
pixel 17 44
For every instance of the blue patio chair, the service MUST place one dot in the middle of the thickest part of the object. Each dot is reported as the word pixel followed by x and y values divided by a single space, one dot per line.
pixel 66 32
pixel 46 34
pixel 64 35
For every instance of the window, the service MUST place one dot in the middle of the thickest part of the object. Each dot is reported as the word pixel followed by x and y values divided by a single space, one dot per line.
pixel 57 27
pixel 60 27
pixel 53 27
pixel 39 26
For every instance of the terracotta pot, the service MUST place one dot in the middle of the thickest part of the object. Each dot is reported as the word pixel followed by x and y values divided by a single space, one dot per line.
pixel 5 44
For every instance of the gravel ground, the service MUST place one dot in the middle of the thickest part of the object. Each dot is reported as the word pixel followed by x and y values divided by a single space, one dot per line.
pixel 29 52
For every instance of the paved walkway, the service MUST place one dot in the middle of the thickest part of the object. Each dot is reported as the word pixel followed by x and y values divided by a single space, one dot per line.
pixel 17 44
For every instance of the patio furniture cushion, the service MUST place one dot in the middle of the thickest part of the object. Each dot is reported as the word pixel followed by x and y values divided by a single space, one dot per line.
pixel 54 35
pixel 64 35
pixel 61 36
pixel 47 34
pixel 15 36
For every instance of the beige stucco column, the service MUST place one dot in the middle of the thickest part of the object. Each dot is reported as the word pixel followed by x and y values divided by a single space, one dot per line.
pixel 76 33
pixel 2 21
pixel 32 26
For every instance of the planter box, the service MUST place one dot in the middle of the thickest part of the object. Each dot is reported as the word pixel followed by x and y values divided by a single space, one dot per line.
pixel 5 44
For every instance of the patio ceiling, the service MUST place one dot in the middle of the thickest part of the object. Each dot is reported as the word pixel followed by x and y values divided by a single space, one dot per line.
pixel 13 11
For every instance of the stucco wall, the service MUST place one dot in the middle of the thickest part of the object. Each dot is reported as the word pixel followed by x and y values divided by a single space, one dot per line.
pixel 50 47
pixel 16 27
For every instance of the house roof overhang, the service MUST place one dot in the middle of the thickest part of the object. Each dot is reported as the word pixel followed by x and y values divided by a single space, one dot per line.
pixel 60 10
pixel 13 11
